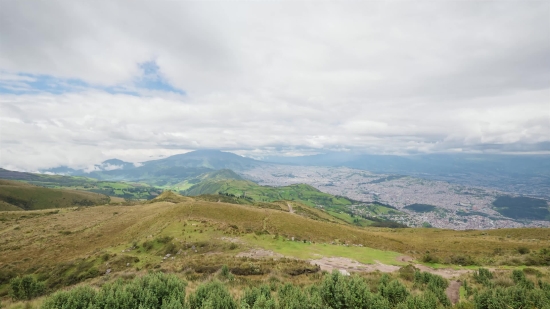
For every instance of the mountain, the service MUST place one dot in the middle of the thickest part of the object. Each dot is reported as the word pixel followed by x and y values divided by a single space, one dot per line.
pixel 212 159
pixel 170 171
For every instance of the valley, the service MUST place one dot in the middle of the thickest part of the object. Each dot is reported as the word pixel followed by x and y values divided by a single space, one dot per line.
pixel 456 206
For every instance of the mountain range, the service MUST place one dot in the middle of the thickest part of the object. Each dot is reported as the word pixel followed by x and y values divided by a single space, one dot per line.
pixel 523 174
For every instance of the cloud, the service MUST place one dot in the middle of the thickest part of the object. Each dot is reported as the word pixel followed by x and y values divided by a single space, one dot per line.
pixel 80 83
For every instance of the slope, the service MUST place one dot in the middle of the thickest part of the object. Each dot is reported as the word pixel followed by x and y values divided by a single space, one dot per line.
pixel 110 188
pixel 243 188
pixel 29 197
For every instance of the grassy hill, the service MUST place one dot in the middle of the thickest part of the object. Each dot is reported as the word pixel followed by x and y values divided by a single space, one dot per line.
pixel 336 206
pixel 21 196
pixel 303 193
pixel 194 238
pixel 110 188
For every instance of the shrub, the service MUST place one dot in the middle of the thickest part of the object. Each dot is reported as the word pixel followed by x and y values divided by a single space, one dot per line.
pixel 429 258
pixel 292 297
pixel 483 276
pixel 395 292
pixel 25 288
pixel 258 298
pixel 147 245
pixel 462 260
pixel 338 291
pixel 155 290
pixel 81 297
pixel 523 250
pixel 212 295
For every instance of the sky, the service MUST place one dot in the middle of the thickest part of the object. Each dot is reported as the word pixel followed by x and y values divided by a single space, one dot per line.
pixel 86 81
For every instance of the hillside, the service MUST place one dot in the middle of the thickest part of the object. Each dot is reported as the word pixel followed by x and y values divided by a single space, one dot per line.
pixel 21 196
pixel 194 238
pixel 116 189
pixel 299 192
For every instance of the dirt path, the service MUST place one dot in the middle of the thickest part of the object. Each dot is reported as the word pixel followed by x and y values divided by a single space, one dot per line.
pixel 453 291
pixel 350 265
pixel 259 253
pixel 290 208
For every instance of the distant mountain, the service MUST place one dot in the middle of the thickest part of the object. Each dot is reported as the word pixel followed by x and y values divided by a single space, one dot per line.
pixel 169 171
pixel 212 159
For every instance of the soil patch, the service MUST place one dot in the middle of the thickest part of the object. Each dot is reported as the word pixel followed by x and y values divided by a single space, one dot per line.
pixel 260 253
pixel 405 258
pixel 350 265
pixel 453 291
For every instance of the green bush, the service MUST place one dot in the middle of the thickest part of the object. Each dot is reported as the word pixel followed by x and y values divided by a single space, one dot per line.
pixel 523 250
pixel 155 290
pixel 81 297
pixel 25 288
pixel 339 291
pixel 394 291
pixel 483 276
pixel 212 295
pixel 429 258
pixel 260 295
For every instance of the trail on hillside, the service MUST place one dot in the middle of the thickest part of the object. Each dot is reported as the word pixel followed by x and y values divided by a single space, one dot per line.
pixel 290 209
pixel 350 265
pixel 453 291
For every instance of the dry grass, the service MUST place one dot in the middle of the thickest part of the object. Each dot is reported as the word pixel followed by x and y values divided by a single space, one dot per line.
pixel 69 242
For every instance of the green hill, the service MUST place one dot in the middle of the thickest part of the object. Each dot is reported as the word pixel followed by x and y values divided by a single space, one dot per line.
pixel 110 188
pixel 247 189
pixel 21 196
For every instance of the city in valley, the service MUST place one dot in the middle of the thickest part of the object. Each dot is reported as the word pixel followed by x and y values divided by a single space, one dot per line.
pixel 438 204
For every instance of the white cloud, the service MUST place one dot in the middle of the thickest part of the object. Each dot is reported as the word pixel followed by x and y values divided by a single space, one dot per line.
pixel 265 77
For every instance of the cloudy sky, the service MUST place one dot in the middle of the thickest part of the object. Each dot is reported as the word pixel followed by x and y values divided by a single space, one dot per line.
pixel 85 81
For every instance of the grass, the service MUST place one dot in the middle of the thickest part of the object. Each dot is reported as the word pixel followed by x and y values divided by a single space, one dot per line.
pixel 349 219
pixel 29 197
pixel 300 192
pixel 111 188
pixel 126 239
pixel 307 250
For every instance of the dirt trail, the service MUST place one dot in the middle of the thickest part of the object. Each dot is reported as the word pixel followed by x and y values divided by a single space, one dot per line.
pixel 350 265
pixel 290 208
pixel 260 253
pixel 453 291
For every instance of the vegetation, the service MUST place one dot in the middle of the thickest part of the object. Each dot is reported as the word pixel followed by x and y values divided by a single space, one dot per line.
pixel 251 255
pixel 522 207
pixel 302 193
pixel 122 190
pixel 159 290
pixel 20 196
pixel 420 207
